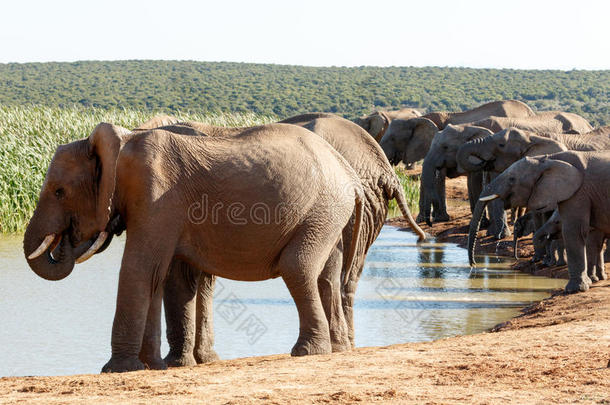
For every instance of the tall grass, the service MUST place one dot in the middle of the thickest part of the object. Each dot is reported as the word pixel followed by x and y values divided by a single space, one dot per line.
pixel 29 136
pixel 411 189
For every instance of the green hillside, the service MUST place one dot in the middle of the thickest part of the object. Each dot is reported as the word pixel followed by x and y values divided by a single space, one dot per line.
pixel 287 90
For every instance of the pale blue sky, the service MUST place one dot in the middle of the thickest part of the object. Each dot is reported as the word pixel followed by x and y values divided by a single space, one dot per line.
pixel 539 34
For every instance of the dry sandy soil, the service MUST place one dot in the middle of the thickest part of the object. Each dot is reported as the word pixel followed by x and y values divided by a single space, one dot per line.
pixel 558 351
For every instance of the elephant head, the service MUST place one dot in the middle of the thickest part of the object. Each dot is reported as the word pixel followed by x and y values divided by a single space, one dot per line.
pixel 550 230
pixel 72 218
pixel 408 140
pixel 375 124
pixel 538 183
pixel 499 151
pixel 442 158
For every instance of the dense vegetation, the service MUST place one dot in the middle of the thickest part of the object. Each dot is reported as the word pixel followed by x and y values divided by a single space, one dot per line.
pixel 288 90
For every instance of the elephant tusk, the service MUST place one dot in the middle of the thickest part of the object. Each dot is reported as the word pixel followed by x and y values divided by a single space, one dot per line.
pixel 96 245
pixel 43 246
pixel 489 197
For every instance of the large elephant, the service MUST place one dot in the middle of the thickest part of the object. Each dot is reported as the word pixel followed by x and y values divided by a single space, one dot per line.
pixel 380 185
pixel 285 197
pixel 377 123
pixel 543 122
pixel 503 108
pixel 440 161
pixel 576 183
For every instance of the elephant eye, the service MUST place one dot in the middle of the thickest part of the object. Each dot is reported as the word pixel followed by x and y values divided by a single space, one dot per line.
pixel 59 193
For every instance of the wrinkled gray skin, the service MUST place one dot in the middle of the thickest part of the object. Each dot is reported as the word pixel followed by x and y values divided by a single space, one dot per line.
pixel 545 121
pixel 154 178
pixel 378 122
pixel 380 185
pixel 576 183
pixel 440 161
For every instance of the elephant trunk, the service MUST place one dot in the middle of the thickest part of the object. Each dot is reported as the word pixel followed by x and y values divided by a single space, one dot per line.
pixel 475 224
pixel 53 260
pixel 404 208
pixel 471 156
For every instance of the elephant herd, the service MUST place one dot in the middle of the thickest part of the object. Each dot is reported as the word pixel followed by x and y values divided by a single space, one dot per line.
pixel 552 164
pixel 302 199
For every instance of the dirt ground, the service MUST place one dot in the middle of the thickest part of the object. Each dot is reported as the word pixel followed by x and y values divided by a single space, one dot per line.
pixel 557 351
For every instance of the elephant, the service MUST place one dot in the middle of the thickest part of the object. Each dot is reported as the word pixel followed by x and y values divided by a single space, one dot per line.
pixel 162 186
pixel 380 185
pixel 440 161
pixel 575 183
pixel 497 152
pixel 377 123
pixel 603 131
pixel 543 122
pixel 503 108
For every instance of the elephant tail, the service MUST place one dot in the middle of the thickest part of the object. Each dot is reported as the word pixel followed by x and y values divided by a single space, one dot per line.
pixel 351 256
pixel 399 196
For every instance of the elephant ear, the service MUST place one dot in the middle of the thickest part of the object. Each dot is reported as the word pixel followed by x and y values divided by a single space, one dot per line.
pixel 558 181
pixel 104 145
pixel 380 122
pixel 424 128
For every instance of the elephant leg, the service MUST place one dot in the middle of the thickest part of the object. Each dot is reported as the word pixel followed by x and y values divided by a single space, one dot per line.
pixel 595 260
pixel 329 285
pixel 204 340
pixel 548 255
pixel 439 209
pixel 150 353
pixel 140 279
pixel 561 253
pixel 300 264
pixel 607 254
pixel 498 222
pixel 422 197
pixel 539 247
pixel 578 229
pixel 179 304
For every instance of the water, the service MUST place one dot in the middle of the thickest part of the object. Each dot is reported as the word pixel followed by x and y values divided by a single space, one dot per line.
pixel 407 293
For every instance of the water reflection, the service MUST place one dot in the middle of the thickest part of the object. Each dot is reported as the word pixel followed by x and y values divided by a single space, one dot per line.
pixel 408 292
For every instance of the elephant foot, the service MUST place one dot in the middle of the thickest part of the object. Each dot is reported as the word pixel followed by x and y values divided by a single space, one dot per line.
pixel 306 347
pixel 576 285
pixel 206 356
pixel 442 217
pixel 341 345
pixel 594 278
pixel 155 364
pixel 601 275
pixel 548 261
pixel 122 365
pixel 420 218
pixel 561 262
pixel 180 360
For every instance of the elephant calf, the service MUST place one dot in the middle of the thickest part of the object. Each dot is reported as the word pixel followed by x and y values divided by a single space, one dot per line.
pixel 269 202
pixel 576 183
